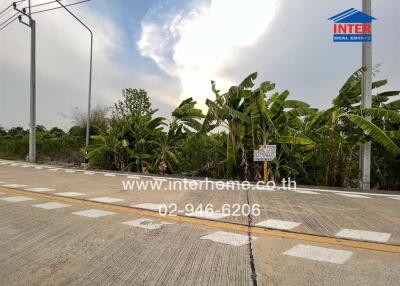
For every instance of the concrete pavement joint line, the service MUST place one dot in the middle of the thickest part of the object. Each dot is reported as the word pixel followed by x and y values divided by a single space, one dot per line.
pixel 364 235
pixel 250 239
pixel 230 226
pixel 319 253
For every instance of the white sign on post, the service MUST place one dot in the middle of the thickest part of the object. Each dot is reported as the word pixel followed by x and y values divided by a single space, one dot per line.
pixel 266 153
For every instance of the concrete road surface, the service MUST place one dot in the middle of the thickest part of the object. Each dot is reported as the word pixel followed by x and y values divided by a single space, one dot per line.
pixel 70 227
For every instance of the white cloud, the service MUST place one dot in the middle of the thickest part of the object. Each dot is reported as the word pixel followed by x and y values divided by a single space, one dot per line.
pixel 194 43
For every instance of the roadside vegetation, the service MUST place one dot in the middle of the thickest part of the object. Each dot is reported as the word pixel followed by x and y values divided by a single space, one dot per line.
pixel 318 147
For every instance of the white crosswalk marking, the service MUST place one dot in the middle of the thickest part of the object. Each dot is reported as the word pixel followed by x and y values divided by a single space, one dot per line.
pixel 39 190
pixel 93 213
pixel 319 253
pixel 208 215
pixel 134 177
pixel 278 224
pixel 13 186
pixel 51 206
pixel 229 238
pixel 16 199
pixel 148 206
pixel 353 196
pixel 364 235
pixel 109 175
pixel 70 194
pixel 306 192
pixel 106 200
pixel 146 223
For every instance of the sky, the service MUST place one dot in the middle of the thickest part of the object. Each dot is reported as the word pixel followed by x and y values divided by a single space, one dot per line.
pixel 174 48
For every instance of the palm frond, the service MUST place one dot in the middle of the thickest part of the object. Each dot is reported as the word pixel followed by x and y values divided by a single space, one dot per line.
pixel 374 132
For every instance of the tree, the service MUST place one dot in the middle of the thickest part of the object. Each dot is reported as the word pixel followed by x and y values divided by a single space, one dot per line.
pixel 99 121
pixel 3 132
pixel 56 132
pixel 40 128
pixel 133 134
pixel 17 131
pixel 135 103
pixel 341 129
pixel 253 119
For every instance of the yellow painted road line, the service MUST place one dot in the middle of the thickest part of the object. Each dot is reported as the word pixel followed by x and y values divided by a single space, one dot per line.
pixel 392 248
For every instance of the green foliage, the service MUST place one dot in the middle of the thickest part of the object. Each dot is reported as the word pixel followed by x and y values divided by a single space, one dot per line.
pixel 52 146
pixel 313 147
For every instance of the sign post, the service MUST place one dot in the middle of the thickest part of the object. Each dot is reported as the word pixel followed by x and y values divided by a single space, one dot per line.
pixel 265 154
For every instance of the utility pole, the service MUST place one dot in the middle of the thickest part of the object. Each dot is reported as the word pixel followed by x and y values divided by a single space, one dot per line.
pixel 32 107
pixel 32 131
pixel 366 102
pixel 32 25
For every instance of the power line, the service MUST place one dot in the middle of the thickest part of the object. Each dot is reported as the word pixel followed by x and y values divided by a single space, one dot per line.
pixel 9 18
pixel 72 4
pixel 5 9
pixel 41 4
pixel 8 23
pixel 9 6
pixel 36 12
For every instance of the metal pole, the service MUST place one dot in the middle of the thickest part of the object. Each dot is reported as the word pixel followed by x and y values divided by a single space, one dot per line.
pixel 90 91
pixel 90 72
pixel 32 123
pixel 366 102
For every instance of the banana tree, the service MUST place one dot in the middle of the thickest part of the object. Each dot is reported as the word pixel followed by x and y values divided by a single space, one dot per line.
pixel 345 126
pixel 253 119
